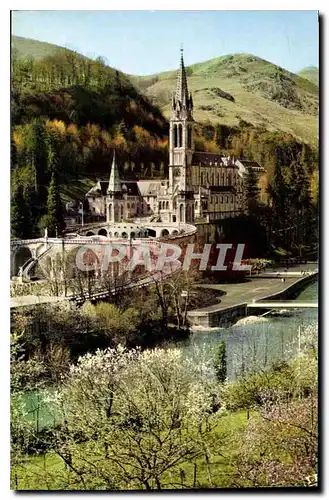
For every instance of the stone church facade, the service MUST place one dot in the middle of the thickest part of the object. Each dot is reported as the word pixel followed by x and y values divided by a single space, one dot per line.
pixel 201 185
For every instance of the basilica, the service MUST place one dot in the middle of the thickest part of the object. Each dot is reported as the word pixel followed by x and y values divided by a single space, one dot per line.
pixel 201 186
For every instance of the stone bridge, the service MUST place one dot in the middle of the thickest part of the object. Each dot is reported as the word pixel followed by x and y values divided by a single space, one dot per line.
pixel 25 254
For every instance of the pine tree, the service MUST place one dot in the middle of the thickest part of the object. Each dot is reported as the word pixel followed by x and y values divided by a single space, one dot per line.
pixel 220 363
pixel 279 195
pixel 20 215
pixel 251 190
pixel 54 220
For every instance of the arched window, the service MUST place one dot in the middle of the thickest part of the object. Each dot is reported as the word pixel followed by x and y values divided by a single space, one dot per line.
pixel 213 179
pixel 181 212
pixel 180 135
pixel 121 211
pixel 175 136
pixel 196 205
pixel 167 205
pixel 124 235
pixel 132 234
pixel 110 211
pixel 189 137
pixel 223 179
pixel 128 205
pixel 229 179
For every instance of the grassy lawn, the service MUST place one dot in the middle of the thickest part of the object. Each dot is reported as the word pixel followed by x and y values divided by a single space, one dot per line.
pixel 76 189
pixel 48 471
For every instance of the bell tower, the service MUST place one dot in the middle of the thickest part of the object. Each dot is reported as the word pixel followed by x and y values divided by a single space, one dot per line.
pixel 181 147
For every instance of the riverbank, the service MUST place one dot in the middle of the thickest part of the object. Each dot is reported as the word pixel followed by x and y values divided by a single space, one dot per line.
pixel 233 305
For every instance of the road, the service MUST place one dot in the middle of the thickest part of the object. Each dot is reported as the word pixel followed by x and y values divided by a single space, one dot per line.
pixel 255 289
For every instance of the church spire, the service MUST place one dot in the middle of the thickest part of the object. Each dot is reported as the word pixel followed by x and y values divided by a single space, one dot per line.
pixel 114 183
pixel 181 86
pixel 182 104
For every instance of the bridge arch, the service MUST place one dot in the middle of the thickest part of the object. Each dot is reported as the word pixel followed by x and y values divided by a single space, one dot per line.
pixel 164 233
pixel 102 232
pixel 21 256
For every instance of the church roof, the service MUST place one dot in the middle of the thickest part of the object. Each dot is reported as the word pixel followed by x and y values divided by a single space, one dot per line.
pixel 151 188
pixel 251 163
pixel 129 187
pixel 211 159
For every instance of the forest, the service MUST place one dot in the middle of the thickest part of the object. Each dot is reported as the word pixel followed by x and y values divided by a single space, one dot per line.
pixel 69 113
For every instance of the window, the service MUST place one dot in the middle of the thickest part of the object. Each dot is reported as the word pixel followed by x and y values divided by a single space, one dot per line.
pixel 180 135
pixel 175 136
pixel 189 137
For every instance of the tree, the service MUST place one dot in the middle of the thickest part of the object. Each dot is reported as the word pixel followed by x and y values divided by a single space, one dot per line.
pixel 220 362
pixel 139 416
pixel 54 219
pixel 20 215
pixel 251 190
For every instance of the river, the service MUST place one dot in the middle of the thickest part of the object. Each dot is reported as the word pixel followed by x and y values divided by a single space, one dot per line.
pixel 256 344
pixel 260 343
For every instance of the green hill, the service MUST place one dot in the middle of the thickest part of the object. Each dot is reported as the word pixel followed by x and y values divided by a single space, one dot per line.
pixel 26 47
pixel 242 86
pixel 311 73
pixel 229 89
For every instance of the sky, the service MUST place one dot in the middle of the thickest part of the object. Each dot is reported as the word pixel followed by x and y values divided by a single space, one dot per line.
pixel 147 42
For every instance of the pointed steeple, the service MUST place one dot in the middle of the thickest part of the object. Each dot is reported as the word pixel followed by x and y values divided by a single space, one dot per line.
pixel 114 183
pixel 181 85
pixel 182 104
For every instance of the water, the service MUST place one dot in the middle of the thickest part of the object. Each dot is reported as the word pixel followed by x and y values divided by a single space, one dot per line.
pixel 256 345
pixel 259 344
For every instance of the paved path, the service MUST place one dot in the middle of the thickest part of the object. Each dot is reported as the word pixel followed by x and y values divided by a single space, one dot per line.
pixel 283 304
pixel 32 300
pixel 255 289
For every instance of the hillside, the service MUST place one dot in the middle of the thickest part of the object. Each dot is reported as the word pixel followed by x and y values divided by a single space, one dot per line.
pixel 242 86
pixel 26 47
pixel 311 73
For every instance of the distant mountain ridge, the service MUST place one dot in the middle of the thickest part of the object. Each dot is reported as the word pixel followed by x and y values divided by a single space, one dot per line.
pixel 228 89
pixel 27 47
pixel 311 73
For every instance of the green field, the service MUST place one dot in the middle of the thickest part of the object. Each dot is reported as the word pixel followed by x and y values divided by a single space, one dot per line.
pixel 48 471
